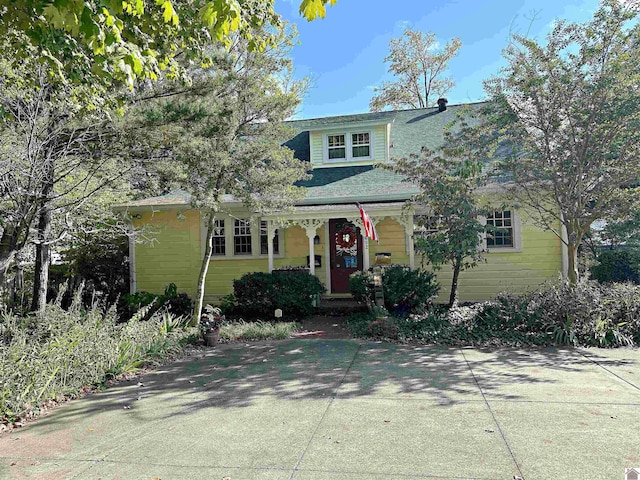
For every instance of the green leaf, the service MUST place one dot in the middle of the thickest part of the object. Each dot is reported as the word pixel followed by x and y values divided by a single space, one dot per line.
pixel 312 9
pixel 53 15
pixel 169 14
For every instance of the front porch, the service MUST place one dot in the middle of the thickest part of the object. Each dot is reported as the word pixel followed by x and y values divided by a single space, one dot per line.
pixel 327 231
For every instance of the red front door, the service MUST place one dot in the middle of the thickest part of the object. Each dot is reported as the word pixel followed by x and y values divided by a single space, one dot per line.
pixel 345 253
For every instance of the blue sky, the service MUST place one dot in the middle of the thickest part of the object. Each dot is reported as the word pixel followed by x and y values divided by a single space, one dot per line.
pixel 344 53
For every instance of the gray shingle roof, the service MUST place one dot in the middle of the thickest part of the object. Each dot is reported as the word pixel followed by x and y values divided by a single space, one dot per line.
pixel 324 122
pixel 355 184
pixel 411 130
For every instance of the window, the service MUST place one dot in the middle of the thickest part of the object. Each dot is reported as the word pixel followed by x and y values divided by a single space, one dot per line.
pixel 425 225
pixel 218 241
pixel 264 248
pixel 242 238
pixel 348 146
pixel 337 147
pixel 500 229
pixel 360 146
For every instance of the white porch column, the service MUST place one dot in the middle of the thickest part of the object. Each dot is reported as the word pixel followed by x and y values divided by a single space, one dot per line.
pixel 365 251
pixel 407 222
pixel 311 225
pixel 271 233
pixel 357 221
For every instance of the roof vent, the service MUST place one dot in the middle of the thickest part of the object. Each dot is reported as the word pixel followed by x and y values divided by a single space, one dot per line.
pixel 442 104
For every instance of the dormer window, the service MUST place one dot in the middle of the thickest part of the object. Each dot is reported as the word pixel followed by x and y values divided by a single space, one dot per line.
pixel 360 146
pixel 348 146
pixel 337 147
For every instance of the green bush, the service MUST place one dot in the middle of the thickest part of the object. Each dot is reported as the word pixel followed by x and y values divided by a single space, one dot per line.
pixel 617 266
pixel 179 304
pixel 588 314
pixel 405 290
pixel 258 294
pixel 361 287
pixel 56 353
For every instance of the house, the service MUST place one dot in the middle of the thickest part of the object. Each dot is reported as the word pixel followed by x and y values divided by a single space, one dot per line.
pixel 325 226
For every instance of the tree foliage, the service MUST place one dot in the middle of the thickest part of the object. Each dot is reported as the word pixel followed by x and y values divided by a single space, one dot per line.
pixel 53 159
pixel 448 185
pixel 419 65
pixel 563 121
pixel 222 137
pixel 103 43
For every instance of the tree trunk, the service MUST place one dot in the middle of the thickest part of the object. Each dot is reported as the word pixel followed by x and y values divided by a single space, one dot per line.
pixel 6 259
pixel 453 297
pixel 210 225
pixel 8 251
pixel 572 273
pixel 43 260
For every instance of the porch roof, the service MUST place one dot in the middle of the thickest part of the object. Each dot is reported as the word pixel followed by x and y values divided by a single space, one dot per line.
pixel 355 184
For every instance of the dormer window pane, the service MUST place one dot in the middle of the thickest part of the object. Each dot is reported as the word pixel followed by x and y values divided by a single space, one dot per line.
pixel 337 147
pixel 360 145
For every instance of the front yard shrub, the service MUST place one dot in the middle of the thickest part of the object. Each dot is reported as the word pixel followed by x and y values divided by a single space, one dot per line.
pixel 589 314
pixel 58 352
pixel 405 290
pixel 617 266
pixel 259 294
pixel 179 304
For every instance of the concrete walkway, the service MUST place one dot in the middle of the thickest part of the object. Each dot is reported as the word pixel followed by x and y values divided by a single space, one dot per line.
pixel 340 409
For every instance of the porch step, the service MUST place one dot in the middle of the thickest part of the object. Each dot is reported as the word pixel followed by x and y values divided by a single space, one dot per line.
pixel 339 306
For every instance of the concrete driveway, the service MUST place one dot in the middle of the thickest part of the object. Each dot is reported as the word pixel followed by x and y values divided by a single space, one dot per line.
pixel 342 409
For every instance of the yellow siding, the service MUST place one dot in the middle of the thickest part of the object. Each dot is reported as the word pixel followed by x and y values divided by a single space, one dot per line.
pixel 175 256
pixel 515 272
pixel 392 239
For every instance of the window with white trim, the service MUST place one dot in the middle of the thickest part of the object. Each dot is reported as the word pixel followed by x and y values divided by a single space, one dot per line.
pixel 347 146
pixel 218 240
pixel 500 231
pixel 264 240
pixel 360 145
pixel 242 237
pixel 337 147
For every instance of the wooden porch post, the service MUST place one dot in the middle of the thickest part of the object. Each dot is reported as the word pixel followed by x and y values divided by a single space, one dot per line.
pixel 365 251
pixel 311 225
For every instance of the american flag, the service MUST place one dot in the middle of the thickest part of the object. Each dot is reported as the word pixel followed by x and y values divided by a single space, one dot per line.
pixel 369 228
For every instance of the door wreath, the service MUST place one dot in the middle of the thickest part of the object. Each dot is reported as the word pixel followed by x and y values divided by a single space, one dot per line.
pixel 346 241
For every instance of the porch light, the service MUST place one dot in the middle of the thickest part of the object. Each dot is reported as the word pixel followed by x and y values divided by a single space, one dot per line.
pixel 278 313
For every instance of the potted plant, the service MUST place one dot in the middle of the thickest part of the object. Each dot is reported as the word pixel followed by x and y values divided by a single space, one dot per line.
pixel 210 323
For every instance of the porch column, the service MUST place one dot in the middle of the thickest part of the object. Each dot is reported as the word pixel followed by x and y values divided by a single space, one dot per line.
pixel 407 222
pixel 408 230
pixel 271 233
pixel 311 225
pixel 357 221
